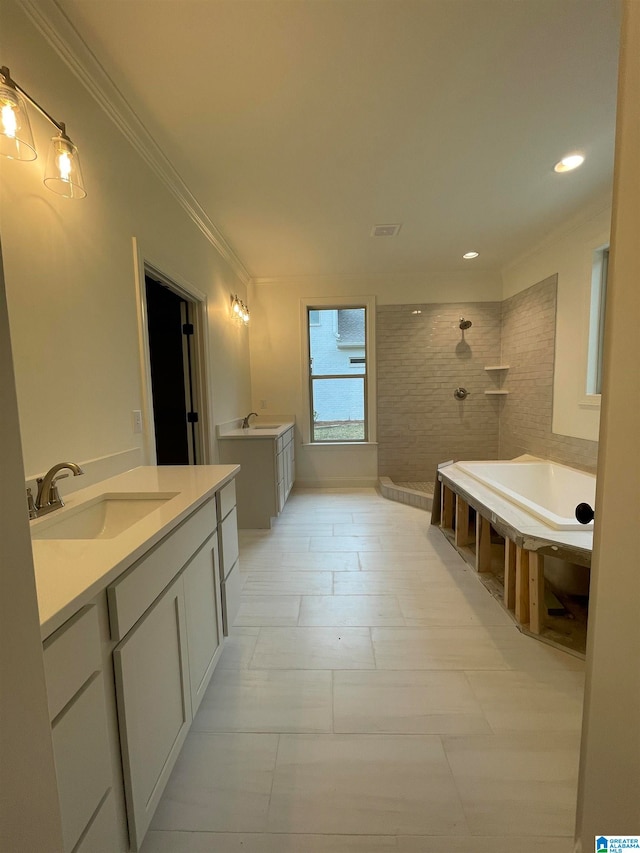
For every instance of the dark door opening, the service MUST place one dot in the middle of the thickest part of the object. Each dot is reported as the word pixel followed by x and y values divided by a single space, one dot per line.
pixel 170 329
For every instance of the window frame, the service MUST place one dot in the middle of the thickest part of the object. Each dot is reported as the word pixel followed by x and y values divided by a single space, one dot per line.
pixel 336 303
pixel 595 340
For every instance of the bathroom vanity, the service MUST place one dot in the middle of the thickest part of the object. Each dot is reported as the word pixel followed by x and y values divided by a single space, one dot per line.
pixel 266 453
pixel 138 581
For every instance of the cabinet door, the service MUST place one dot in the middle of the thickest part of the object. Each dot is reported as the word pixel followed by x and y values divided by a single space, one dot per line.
pixel 289 464
pixel 154 704
pixel 229 549
pixel 204 618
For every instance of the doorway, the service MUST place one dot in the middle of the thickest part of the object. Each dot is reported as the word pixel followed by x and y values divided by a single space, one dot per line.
pixel 171 334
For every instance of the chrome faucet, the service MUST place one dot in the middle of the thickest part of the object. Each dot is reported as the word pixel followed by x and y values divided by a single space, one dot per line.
pixel 245 422
pixel 48 497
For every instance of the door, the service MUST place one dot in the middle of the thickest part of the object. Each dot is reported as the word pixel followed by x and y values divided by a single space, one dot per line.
pixel 170 329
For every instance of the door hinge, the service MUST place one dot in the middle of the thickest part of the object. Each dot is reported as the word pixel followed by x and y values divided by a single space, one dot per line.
pixel 192 417
pixel 187 328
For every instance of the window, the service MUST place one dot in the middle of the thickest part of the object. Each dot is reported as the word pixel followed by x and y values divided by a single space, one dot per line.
pixel 596 320
pixel 338 379
pixel 351 326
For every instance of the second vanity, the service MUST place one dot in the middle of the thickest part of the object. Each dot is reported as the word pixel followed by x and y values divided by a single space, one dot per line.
pixel 133 618
pixel 266 453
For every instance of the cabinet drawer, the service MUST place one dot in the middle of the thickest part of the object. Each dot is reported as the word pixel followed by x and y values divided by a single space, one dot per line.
pixel 226 499
pixel 83 766
pixel 139 587
pixel 229 550
pixel 71 656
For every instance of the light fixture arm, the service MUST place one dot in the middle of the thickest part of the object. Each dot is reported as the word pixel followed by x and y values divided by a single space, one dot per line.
pixel 12 83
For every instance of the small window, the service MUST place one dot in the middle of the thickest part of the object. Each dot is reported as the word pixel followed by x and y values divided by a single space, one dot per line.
pixel 596 320
pixel 337 379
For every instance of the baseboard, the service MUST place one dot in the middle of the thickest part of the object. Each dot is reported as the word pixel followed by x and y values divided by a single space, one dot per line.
pixel 338 483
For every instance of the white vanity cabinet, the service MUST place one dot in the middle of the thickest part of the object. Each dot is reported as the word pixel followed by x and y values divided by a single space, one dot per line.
pixel 132 629
pixel 267 474
pixel 169 643
pixel 154 704
pixel 78 713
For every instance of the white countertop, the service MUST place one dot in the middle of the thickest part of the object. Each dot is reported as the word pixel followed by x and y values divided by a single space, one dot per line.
pixel 256 431
pixel 70 572
pixel 528 525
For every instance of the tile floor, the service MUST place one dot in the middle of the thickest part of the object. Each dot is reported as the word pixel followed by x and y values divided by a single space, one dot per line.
pixel 374 697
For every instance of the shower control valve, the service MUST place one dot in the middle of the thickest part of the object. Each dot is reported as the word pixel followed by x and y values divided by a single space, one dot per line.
pixel 461 393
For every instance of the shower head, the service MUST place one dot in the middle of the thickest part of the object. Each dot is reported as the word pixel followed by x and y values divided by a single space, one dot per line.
pixel 465 324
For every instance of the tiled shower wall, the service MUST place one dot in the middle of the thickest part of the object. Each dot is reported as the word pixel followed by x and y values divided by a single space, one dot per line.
pixel 528 346
pixel 422 358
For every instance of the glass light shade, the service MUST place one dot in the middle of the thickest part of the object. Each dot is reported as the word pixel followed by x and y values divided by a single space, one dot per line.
pixel 63 174
pixel 16 138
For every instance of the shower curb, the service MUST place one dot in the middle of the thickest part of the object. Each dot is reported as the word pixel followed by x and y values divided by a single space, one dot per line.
pixel 401 494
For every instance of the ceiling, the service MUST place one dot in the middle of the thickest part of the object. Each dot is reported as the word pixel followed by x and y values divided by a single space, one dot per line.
pixel 298 125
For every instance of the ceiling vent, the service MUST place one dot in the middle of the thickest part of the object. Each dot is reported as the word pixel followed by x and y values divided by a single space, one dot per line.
pixel 386 230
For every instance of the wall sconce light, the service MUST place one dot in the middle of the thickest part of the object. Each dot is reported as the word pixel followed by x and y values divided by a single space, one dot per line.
pixel 62 174
pixel 239 310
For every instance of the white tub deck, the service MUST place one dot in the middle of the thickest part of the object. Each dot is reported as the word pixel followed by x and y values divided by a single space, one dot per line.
pixel 547 490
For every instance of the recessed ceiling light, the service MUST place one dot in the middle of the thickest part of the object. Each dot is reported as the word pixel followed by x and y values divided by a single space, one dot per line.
pixel 468 255
pixel 571 161
pixel 417 311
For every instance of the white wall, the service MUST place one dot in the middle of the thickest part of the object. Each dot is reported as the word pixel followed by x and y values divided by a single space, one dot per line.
pixel 69 271
pixel 29 812
pixel 609 788
pixel 276 353
pixel 569 253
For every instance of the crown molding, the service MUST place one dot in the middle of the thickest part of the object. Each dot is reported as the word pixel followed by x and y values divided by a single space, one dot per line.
pixel 59 32
pixel 377 277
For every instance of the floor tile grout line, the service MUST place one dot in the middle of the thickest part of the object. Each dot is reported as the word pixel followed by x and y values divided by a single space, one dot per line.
pixel 273 778
pixel 455 784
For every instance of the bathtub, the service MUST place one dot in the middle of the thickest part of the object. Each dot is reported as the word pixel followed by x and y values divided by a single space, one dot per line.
pixel 547 490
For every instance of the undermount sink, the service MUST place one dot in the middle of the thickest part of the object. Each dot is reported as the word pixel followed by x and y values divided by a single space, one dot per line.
pixel 266 426
pixel 101 518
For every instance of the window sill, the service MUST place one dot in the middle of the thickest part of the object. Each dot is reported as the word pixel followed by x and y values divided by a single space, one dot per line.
pixel 591 401
pixel 339 443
